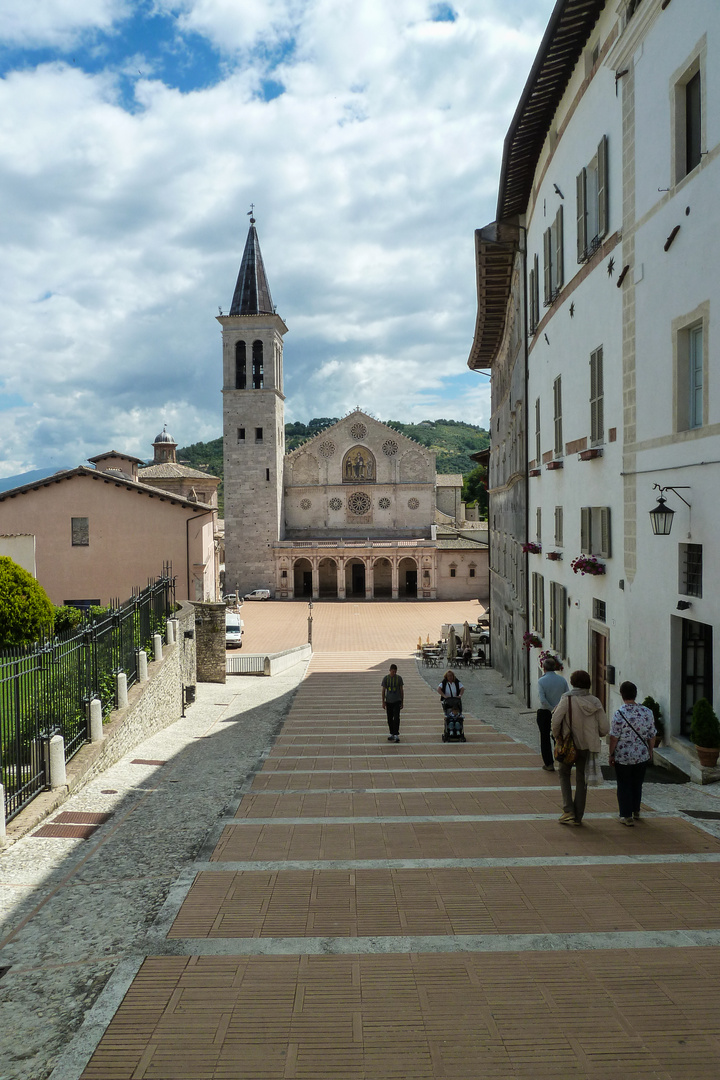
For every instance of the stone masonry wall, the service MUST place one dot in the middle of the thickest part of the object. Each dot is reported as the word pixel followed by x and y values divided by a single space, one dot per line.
pixel 210 642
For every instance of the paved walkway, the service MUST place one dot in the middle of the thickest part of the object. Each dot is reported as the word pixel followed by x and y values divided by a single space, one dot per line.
pixel 370 910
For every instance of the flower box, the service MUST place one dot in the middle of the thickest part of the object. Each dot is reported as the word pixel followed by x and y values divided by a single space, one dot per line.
pixel 588 455
pixel 535 472
pixel 546 654
pixel 557 464
pixel 554 556
pixel 531 641
pixel 531 548
pixel 587 564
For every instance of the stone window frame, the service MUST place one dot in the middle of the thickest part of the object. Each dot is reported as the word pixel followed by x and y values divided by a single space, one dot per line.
pixel 682 327
pixel 695 64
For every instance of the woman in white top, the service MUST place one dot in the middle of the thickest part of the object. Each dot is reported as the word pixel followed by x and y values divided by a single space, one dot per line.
pixel 450 686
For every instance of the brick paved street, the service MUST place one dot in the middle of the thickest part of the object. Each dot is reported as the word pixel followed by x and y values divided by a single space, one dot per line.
pixel 373 911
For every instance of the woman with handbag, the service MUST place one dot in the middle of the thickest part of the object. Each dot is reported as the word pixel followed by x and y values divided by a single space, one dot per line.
pixel 578 722
pixel 632 738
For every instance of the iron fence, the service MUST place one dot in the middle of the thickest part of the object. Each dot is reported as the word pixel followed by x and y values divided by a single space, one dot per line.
pixel 46 688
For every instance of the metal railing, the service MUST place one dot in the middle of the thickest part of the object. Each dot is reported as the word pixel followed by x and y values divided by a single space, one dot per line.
pixel 46 688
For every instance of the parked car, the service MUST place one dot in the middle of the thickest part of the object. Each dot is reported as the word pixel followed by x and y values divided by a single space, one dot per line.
pixel 234 627
pixel 258 594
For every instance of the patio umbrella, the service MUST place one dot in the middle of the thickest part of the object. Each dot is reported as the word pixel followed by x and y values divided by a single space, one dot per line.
pixel 466 641
pixel 451 646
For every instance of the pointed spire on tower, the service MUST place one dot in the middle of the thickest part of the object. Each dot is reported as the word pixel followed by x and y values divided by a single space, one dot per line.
pixel 252 292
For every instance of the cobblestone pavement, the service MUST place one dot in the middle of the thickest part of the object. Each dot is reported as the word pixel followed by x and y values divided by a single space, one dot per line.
pixel 291 895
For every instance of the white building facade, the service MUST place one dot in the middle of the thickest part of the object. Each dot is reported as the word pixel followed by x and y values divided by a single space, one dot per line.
pixel 609 179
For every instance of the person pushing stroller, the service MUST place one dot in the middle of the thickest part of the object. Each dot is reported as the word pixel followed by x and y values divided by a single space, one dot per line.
pixel 451 691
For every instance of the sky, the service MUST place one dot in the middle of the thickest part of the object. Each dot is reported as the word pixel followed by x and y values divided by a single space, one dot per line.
pixel 136 134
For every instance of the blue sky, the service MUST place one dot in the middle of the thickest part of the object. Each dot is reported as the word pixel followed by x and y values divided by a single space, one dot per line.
pixel 135 135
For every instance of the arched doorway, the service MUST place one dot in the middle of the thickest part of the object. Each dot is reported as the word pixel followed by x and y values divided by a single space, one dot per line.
pixel 302 577
pixel 327 578
pixel 407 577
pixel 355 578
pixel 382 577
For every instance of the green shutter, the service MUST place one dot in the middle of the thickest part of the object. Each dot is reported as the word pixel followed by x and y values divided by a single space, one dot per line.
pixel 603 186
pixel 581 216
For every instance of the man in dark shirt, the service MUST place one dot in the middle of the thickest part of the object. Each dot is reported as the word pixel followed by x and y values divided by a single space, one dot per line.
pixel 393 699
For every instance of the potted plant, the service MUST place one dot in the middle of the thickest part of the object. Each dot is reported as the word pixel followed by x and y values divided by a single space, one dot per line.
pixel 531 641
pixel 654 707
pixel 554 556
pixel 532 548
pixel 587 564
pixel 546 654
pixel 705 732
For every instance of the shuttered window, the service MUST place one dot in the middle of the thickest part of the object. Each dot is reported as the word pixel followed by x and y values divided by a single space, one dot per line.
pixel 553 259
pixel 538 604
pixel 595 533
pixel 597 417
pixel 558 526
pixel 558 608
pixel 538 454
pixel 557 416
pixel 534 295
pixel 592 207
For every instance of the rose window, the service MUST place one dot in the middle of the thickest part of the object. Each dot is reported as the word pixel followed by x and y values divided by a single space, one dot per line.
pixel 390 448
pixel 327 448
pixel 336 504
pixel 384 503
pixel 359 503
pixel 358 431
pixel 305 504
pixel 413 504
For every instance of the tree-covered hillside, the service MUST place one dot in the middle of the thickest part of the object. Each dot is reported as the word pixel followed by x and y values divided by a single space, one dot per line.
pixel 452 440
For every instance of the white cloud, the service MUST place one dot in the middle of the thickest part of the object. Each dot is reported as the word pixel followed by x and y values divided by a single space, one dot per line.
pixel 55 23
pixel 123 228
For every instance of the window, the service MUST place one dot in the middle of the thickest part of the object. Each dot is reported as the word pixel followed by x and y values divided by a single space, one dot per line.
pixel 534 295
pixel 240 373
pixel 689 121
pixel 257 365
pixel 558 526
pixel 558 607
pixel 592 203
pixel 241 434
pixel 557 416
pixel 538 604
pixel 599 610
pixel 471 571
pixel 258 434
pixel 595 531
pixel 690 583
pixel 597 418
pixel 538 454
pixel 80 528
pixel 553 258
pixel 267 474
pixel 690 389
pixel 452 571
pixel 538 524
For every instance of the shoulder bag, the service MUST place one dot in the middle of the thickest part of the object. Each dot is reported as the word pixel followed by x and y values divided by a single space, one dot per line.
pixel 565 751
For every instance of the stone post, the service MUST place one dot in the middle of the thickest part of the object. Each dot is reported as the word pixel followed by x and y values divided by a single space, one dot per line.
pixel 96 724
pixel 121 690
pixel 170 632
pixel 56 762
pixel 157 648
pixel 210 641
pixel 142 666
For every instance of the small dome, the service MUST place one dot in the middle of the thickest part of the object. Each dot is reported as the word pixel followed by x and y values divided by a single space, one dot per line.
pixel 164 437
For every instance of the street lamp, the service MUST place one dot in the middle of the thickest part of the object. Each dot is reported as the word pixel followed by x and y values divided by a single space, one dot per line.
pixel 661 515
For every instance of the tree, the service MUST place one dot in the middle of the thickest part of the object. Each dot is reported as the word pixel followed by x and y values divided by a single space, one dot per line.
pixel 25 608
pixel 475 487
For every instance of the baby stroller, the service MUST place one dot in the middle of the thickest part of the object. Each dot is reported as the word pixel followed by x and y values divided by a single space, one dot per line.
pixel 454 720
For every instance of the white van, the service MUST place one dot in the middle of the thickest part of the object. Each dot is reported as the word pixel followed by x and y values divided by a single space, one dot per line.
pixel 233 630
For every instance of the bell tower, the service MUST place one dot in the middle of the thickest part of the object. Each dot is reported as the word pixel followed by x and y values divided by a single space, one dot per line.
pixel 253 426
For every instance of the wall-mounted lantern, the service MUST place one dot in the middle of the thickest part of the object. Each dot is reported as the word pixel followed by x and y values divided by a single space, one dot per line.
pixel 661 516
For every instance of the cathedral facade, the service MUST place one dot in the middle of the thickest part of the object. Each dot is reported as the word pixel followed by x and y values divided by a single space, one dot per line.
pixel 350 514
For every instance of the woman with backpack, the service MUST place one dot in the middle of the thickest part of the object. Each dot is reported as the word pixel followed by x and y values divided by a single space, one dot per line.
pixel 581 715
pixel 632 739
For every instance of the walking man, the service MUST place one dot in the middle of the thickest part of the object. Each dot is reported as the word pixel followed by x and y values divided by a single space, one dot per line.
pixel 551 687
pixel 393 699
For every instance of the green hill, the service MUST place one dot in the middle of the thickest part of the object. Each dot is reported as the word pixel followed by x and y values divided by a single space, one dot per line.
pixel 452 440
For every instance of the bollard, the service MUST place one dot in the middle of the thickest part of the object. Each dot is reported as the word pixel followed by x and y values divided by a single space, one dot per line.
pixel 157 648
pixel 2 815
pixel 142 666
pixel 121 689
pixel 56 762
pixel 170 632
pixel 96 724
